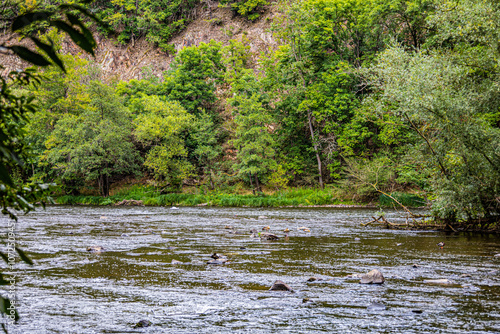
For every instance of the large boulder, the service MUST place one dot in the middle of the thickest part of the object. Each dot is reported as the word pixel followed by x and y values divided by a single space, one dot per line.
pixel 280 286
pixel 372 277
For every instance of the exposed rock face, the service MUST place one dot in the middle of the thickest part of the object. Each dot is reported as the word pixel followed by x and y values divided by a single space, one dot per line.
pixel 280 286
pixel 130 202
pixel 373 277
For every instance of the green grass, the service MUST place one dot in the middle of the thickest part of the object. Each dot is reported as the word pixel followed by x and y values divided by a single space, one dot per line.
pixel 290 197
pixel 151 197
pixel 409 200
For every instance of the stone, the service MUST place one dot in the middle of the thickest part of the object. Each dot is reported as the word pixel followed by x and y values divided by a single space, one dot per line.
pixel 496 255
pixel 314 279
pixel 176 262
pixel 442 281
pixel 376 307
pixel 96 249
pixel 372 277
pixel 357 239
pixel 143 323
pixel 280 286
pixel 268 236
pixel 415 265
pixel 216 256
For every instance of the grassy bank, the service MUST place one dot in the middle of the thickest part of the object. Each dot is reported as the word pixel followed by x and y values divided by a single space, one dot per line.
pixel 290 197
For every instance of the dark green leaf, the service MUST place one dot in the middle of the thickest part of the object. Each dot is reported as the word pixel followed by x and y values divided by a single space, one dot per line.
pixel 50 51
pixel 85 12
pixel 4 175
pixel 24 257
pixel 4 257
pixel 86 32
pixel 6 307
pixel 2 281
pixel 75 35
pixel 29 56
pixel 28 18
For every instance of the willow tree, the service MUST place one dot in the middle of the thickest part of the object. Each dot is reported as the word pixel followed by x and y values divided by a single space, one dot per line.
pixel 448 95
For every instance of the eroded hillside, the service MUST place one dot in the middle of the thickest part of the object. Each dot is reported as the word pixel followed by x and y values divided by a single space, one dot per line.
pixel 126 62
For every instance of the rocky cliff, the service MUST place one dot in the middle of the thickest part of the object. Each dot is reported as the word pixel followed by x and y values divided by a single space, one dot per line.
pixel 126 62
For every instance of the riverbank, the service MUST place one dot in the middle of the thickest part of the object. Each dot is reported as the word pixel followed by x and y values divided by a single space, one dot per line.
pixel 294 197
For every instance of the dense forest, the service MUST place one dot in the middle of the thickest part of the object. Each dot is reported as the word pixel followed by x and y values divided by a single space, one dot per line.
pixel 371 96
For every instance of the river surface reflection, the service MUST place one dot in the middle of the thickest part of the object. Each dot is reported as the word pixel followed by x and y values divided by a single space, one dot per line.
pixel 70 290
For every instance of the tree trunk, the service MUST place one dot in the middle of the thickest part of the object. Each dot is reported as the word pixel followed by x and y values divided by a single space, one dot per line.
pixel 257 183
pixel 104 185
pixel 251 182
pixel 315 145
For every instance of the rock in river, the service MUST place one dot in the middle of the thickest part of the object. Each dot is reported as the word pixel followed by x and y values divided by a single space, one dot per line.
pixel 217 261
pixel 280 286
pixel 373 277
pixel 268 236
pixel 143 323
pixel 96 249
pixel 175 262
pixel 442 281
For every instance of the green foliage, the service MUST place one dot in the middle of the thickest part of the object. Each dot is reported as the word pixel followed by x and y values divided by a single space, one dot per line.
pixel 159 129
pixel 157 20
pixel 95 144
pixel 442 96
pixel 408 200
pixel 254 139
pixel 15 106
pixel 247 8
pixel 195 72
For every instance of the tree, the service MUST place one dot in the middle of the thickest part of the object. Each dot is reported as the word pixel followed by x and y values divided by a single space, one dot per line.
pixel 449 98
pixel 96 144
pixel 195 73
pixel 159 129
pixel 254 141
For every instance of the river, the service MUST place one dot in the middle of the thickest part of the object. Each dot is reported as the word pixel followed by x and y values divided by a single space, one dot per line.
pixel 70 290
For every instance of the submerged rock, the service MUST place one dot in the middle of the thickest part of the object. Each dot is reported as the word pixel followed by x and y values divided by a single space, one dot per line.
pixel 96 249
pixel 143 323
pixel 280 286
pixel 372 277
pixel 217 261
pixel 376 307
pixel 442 281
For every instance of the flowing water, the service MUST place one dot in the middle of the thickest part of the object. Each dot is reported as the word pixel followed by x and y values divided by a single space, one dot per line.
pixel 70 290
